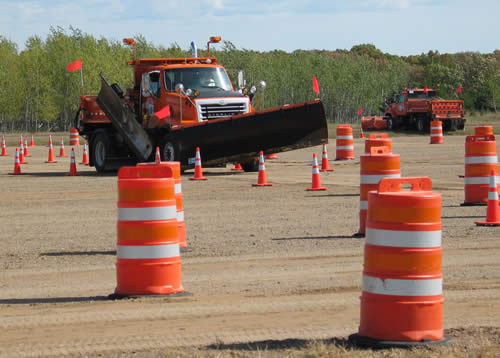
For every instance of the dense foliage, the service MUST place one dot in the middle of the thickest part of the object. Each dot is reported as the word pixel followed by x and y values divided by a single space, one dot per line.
pixel 37 92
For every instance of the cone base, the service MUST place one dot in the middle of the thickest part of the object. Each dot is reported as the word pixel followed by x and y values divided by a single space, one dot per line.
pixel 478 203
pixel 82 163
pixel 265 184
pixel 272 156
pixel 238 170
pixel 327 170
pixel 119 296
pixel 202 178
pixel 486 223
pixel 72 175
pixel 320 188
pixel 379 344
pixel 24 162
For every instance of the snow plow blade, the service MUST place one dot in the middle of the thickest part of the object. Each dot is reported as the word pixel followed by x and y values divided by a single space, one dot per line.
pixel 241 137
pixel 124 121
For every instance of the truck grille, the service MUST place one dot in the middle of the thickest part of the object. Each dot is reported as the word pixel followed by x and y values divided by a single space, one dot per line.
pixel 212 111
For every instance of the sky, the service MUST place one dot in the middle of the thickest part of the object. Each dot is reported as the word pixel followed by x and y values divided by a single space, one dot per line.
pixel 398 27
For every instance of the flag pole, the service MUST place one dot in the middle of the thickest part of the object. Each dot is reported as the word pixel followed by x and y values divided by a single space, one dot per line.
pixel 81 77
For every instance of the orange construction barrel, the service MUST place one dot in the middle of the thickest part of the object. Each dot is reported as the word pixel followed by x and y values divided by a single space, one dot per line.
pixel 480 159
pixel 379 164
pixel 436 132
pixel 378 140
pixel 483 130
pixel 344 142
pixel 179 199
pixel 402 300
pixel 74 137
pixel 148 254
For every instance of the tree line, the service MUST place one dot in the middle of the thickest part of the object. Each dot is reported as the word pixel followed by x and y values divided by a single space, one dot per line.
pixel 38 93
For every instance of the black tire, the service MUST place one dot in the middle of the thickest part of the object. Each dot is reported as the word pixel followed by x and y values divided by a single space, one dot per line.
pixel 168 150
pixel 421 125
pixel 251 165
pixel 101 151
pixel 390 124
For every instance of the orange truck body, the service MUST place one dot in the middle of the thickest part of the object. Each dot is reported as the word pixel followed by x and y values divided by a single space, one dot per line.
pixel 418 107
pixel 203 109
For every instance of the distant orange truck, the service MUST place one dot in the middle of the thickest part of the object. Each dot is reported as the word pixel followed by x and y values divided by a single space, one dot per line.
pixel 416 108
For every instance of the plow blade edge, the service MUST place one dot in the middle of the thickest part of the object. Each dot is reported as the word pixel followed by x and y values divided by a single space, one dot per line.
pixel 241 137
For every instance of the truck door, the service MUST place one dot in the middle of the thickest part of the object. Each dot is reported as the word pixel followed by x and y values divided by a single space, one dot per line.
pixel 400 106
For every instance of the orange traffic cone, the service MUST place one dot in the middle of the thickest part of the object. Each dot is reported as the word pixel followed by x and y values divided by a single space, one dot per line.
pixel 325 165
pixel 62 152
pixel 493 210
pixel 85 159
pixel 21 155
pixel 262 179
pixel 21 141
pixel 50 141
pixel 26 150
pixel 198 171
pixel 361 134
pixel 272 156
pixel 51 153
pixel 316 177
pixel 17 165
pixel 237 166
pixel 72 165
pixel 157 156
pixel 4 148
pixel 32 143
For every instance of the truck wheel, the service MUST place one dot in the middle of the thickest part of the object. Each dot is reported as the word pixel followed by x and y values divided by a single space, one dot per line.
pixel 421 124
pixel 168 150
pixel 251 165
pixel 101 150
pixel 390 124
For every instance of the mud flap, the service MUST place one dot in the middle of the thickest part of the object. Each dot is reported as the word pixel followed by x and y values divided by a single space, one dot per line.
pixel 124 121
pixel 242 137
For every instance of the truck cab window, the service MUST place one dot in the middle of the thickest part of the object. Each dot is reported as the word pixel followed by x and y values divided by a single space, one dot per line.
pixel 402 98
pixel 155 83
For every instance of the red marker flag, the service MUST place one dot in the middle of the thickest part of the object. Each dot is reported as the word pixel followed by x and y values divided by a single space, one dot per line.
pixel 360 111
pixel 459 89
pixel 315 85
pixel 163 113
pixel 426 89
pixel 73 66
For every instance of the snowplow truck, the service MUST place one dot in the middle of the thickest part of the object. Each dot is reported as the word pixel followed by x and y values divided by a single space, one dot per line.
pixel 416 108
pixel 178 104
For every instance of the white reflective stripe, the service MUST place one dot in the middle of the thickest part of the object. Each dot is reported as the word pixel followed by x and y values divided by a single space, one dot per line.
pixel 147 214
pixel 325 155
pixel 395 287
pixel 396 238
pixel 148 252
pixel 180 216
pixel 345 147
pixel 481 159
pixel 492 195
pixel 262 167
pixel 375 179
pixel 437 135
pixel 315 170
pixel 436 128
pixel 363 205
pixel 178 188
pixel 479 180
pixel 345 137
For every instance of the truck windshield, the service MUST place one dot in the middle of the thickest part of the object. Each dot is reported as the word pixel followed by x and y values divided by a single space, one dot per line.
pixel 421 94
pixel 197 78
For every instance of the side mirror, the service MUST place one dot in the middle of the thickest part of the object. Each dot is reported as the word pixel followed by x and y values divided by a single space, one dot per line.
pixel 145 85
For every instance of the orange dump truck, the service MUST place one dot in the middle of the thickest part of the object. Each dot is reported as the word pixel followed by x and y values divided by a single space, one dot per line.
pixel 179 104
pixel 416 108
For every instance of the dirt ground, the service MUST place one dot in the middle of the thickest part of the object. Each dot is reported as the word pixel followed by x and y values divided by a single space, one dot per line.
pixel 270 264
